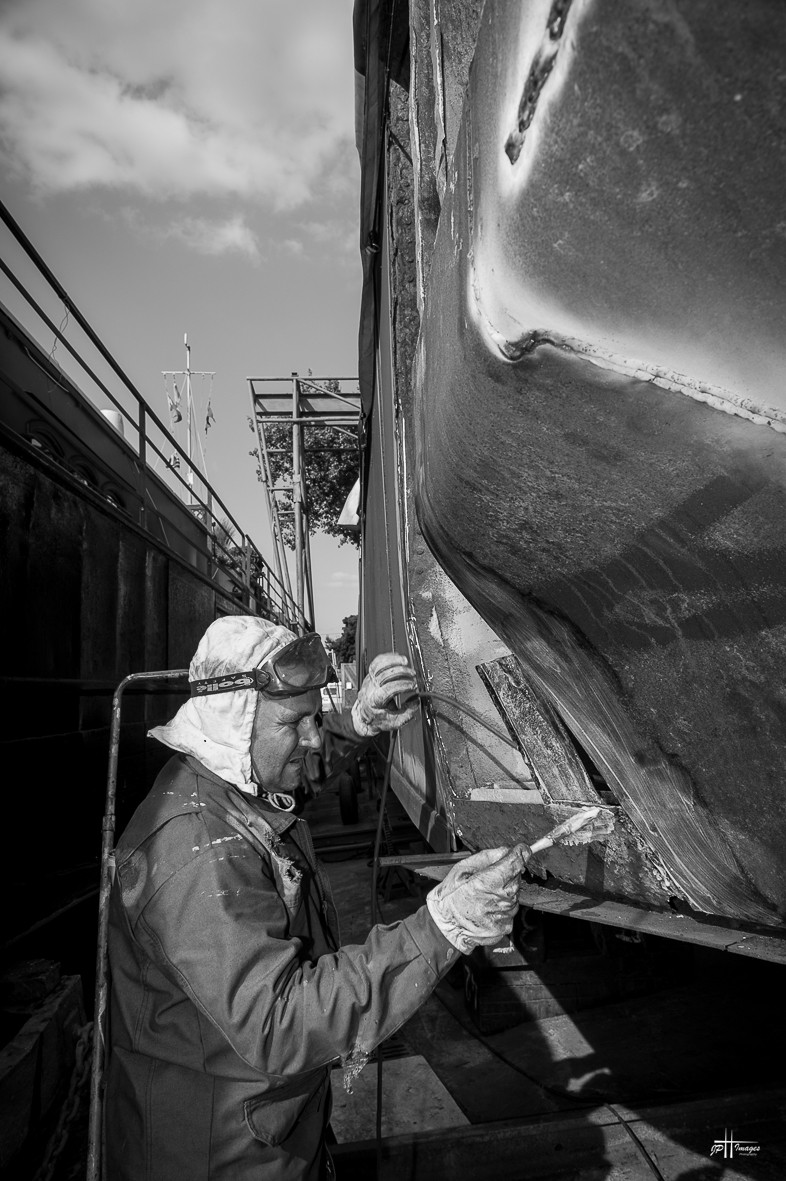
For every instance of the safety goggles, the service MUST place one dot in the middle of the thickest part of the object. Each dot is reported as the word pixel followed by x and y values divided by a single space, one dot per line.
pixel 302 665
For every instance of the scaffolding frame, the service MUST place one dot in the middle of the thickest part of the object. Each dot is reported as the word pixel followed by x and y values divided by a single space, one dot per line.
pixel 299 402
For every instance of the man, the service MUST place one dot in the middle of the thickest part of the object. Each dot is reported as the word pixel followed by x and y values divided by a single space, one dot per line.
pixel 231 996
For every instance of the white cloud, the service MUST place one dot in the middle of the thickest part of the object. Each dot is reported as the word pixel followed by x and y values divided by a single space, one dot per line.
pixel 211 236
pixel 231 236
pixel 294 246
pixel 224 98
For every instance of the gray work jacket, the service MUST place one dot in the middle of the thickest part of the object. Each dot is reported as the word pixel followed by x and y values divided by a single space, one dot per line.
pixel 230 995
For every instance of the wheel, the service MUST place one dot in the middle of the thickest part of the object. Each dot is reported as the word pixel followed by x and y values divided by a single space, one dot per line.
pixel 348 798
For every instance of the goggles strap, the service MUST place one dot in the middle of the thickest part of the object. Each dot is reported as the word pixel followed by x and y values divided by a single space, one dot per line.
pixel 225 684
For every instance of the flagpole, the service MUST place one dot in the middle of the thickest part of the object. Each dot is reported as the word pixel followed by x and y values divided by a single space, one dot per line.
pixel 193 436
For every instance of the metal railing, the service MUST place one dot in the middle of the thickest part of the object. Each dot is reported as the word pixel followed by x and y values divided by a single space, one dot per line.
pixel 170 497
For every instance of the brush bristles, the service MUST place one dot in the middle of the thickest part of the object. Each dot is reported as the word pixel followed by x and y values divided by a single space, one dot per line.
pixel 583 838
pixel 582 828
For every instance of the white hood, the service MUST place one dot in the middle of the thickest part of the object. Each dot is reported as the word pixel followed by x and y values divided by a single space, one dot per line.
pixel 216 729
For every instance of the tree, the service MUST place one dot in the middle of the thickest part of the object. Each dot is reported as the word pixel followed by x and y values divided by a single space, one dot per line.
pixel 344 645
pixel 331 467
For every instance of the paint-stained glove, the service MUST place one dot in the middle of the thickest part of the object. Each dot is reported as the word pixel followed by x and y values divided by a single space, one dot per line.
pixel 374 710
pixel 476 902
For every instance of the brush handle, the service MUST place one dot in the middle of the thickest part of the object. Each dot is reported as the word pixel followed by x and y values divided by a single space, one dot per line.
pixel 543 843
pixel 526 851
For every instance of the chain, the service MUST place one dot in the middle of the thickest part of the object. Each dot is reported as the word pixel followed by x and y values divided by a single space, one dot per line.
pixel 70 1109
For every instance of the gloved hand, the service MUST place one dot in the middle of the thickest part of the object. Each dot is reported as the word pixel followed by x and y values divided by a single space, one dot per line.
pixel 476 902
pixel 374 709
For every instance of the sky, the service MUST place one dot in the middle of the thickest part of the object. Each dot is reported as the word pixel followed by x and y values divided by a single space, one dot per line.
pixel 189 166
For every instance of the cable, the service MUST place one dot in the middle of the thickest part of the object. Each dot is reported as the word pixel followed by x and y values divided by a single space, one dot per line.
pixel 642 1151
pixel 380 827
pixel 91 892
pixel 374 881
pixel 554 1091
pixel 467 709
pixel 546 1090
pixel 473 713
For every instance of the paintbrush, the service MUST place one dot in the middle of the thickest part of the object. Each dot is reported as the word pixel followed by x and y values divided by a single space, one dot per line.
pixel 587 825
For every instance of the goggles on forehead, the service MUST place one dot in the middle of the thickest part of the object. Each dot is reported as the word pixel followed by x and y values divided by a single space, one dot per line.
pixel 302 665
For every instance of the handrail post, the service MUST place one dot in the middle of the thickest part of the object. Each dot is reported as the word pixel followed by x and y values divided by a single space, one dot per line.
pixel 247 564
pixel 210 524
pixel 142 428
pixel 297 498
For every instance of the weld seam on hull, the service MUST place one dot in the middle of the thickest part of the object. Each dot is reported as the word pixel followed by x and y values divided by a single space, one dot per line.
pixel 668 379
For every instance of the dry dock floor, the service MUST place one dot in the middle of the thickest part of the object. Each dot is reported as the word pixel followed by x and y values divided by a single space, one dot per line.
pixel 684 1082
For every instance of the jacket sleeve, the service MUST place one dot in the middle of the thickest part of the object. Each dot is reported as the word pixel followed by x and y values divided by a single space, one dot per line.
pixel 341 743
pixel 218 929
pixel 340 725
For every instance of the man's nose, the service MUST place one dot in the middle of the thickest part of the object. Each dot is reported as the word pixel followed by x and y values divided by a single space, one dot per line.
pixel 310 737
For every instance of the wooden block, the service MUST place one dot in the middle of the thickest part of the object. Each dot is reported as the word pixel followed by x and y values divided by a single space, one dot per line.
pixel 25 985
pixel 36 1065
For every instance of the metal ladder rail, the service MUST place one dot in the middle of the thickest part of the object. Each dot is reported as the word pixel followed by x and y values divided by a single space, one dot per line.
pixel 98 1061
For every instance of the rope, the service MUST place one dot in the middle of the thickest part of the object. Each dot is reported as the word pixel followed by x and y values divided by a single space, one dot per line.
pixel 70 1110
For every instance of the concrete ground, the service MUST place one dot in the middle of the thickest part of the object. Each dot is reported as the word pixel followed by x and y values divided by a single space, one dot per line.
pixel 654 1084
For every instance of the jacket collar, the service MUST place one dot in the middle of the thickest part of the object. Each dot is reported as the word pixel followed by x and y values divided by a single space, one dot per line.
pixel 279 822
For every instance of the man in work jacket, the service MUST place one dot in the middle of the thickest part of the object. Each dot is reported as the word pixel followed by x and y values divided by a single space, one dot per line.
pixel 231 996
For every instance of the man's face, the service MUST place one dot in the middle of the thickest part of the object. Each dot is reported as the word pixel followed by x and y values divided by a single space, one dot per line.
pixel 284 731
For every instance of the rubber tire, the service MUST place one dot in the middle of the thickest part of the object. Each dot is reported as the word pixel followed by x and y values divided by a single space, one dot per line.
pixel 348 799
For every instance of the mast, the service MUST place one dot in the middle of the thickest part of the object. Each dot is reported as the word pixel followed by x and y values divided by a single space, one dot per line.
pixel 187 374
pixel 189 411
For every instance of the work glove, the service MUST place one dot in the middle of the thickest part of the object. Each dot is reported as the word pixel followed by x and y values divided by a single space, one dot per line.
pixel 374 709
pixel 476 902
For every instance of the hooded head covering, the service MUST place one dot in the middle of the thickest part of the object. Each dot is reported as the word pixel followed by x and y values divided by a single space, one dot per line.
pixel 216 729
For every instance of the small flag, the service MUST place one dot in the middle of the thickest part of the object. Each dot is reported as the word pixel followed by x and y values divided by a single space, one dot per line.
pixel 174 462
pixel 174 403
pixel 210 418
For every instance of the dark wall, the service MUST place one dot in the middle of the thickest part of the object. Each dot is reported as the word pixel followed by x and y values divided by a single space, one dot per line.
pixel 85 598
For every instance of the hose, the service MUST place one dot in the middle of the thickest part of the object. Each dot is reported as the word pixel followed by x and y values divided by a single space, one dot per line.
pixel 380 827
pixel 472 713
pixel 374 915
pixel 553 1091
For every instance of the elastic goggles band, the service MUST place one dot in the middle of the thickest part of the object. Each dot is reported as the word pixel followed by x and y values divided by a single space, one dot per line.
pixel 302 665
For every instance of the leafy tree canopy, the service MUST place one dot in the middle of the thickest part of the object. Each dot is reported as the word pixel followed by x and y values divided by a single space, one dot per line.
pixel 344 645
pixel 331 467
